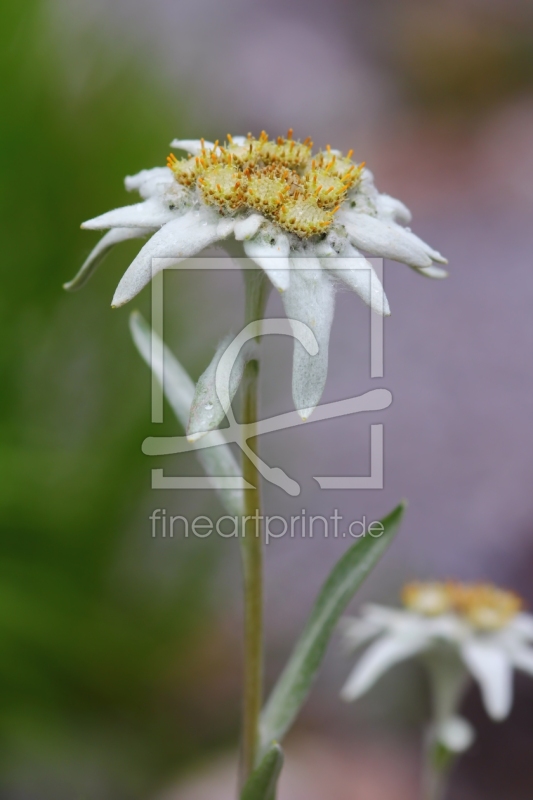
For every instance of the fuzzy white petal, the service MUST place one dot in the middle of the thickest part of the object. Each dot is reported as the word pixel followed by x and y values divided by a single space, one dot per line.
pixel 207 411
pixel 448 627
pixel 522 624
pixel 192 146
pixel 379 657
pixel 433 254
pixel 357 631
pixel 98 253
pixel 432 272
pixel 522 658
pixel 359 275
pixel 409 623
pixel 385 615
pixel 271 253
pixel 225 226
pixel 310 299
pixel 152 213
pixel 395 620
pixel 177 240
pixel 247 228
pixel 365 190
pixel 384 239
pixel 390 208
pixel 492 669
pixel 149 182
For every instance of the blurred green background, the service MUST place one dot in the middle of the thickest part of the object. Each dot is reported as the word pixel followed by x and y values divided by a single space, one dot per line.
pixel 87 647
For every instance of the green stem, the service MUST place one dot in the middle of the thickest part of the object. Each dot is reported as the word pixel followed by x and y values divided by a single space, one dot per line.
pixel 435 774
pixel 252 553
pixel 253 589
pixel 447 681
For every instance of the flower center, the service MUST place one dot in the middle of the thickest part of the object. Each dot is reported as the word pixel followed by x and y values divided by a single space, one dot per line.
pixel 484 606
pixel 430 599
pixel 280 178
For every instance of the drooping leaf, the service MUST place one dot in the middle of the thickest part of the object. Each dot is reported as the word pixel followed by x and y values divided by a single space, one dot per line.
pixel 179 391
pixel 207 411
pixel 292 688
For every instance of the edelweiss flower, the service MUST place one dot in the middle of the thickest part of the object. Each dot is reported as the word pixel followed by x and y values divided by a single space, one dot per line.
pixel 302 218
pixel 460 629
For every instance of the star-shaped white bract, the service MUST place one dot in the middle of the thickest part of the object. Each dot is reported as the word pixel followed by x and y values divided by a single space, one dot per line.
pixel 483 627
pixel 277 200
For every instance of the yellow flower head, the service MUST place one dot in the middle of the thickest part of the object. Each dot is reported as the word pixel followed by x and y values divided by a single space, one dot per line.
pixel 222 185
pixel 279 178
pixel 485 606
pixel 482 605
pixel 430 599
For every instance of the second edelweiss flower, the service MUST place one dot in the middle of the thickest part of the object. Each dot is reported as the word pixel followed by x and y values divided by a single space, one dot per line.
pixel 459 629
pixel 305 219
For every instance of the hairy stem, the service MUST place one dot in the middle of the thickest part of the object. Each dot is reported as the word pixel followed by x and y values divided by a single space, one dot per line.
pixel 252 553
pixel 438 764
pixel 434 778
pixel 447 682
pixel 253 589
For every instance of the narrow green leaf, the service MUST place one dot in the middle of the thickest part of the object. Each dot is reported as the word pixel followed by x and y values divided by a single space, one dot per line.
pixel 261 785
pixel 294 684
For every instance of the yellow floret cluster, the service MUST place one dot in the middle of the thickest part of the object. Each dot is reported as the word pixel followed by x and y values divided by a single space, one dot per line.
pixel 279 178
pixel 484 606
